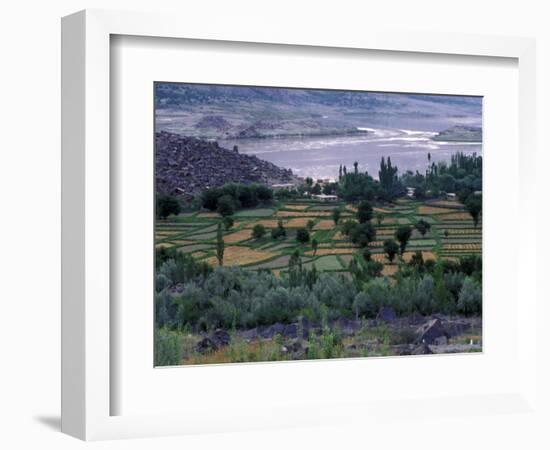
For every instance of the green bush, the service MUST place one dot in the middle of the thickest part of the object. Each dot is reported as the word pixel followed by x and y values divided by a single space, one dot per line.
pixel 278 232
pixel 469 299
pixel 166 205
pixel 167 348
pixel 302 235
pixel 258 231
pixel 226 205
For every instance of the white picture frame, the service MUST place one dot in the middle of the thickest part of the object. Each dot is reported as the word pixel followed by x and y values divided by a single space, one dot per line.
pixel 87 385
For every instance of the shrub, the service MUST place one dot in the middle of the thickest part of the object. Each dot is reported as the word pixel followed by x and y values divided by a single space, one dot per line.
pixel 422 226
pixel 424 299
pixel 362 233
pixel 258 231
pixel 403 234
pixel 279 231
pixel 373 269
pixel 336 213
pixel 366 254
pixel 264 194
pixel 166 205
pixel 314 245
pixel 362 306
pixel 469 298
pixel 167 348
pixel 347 226
pixel 302 235
pixel 209 198
pixel 228 222
pixel 364 212
pixel 226 205
pixel 391 248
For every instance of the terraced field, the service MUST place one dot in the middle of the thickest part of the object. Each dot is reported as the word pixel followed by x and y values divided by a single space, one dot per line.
pixel 452 234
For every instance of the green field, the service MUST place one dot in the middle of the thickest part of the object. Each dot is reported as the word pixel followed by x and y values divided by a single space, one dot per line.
pixel 195 233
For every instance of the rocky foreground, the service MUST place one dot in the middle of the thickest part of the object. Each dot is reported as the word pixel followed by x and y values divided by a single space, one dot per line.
pixel 387 335
pixel 187 166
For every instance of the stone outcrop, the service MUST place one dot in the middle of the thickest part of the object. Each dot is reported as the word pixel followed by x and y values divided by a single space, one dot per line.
pixel 187 166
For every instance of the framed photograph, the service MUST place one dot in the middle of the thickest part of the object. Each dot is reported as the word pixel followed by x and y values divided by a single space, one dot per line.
pixel 298 224
pixel 265 229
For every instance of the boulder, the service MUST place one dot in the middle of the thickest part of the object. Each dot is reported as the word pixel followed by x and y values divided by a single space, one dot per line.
pixel 290 331
pixel 456 327
pixel 386 314
pixel 441 340
pixel 401 349
pixel 213 342
pixel 422 349
pixel 272 330
pixel 250 335
pixel 415 318
pixel 221 338
pixel 206 345
pixel 430 331
pixel 348 327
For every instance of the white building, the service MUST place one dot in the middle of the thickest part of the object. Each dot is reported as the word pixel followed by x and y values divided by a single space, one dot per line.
pixel 410 192
pixel 283 186
pixel 451 196
pixel 325 198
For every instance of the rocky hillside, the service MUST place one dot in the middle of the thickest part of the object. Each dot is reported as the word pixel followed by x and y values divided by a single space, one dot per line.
pixel 187 166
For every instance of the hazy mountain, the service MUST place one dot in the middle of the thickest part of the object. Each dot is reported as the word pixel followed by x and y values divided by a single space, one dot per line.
pixel 215 111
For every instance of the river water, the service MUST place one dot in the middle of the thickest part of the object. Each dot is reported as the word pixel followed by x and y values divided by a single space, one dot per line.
pixel 320 157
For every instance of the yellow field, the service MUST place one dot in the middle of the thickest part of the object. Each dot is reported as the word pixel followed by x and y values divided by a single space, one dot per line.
pixel 234 255
pixel 296 207
pixel 338 236
pixel 376 244
pixel 456 216
pixel 446 203
pixel 164 245
pixel 465 246
pixel 199 254
pixel 432 210
pixel 209 215
pixel 239 236
pixel 380 257
pixel 267 223
pixel 331 251
pixel 385 231
pixel 181 242
pixel 389 270
pixel 344 245
pixel 300 222
pixel 425 254
pixel 324 225
pixel 166 234
pixel 403 201
pixel 461 231
pixel 302 214
pixel 451 258
pixel 351 208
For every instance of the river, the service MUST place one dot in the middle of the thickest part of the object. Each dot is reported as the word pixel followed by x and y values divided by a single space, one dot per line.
pixel 320 157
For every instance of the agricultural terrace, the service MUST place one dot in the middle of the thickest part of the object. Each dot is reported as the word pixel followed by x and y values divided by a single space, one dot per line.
pixel 452 234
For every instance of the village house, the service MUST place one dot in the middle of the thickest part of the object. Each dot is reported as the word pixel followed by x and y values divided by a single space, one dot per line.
pixel 410 192
pixel 283 186
pixel 325 198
